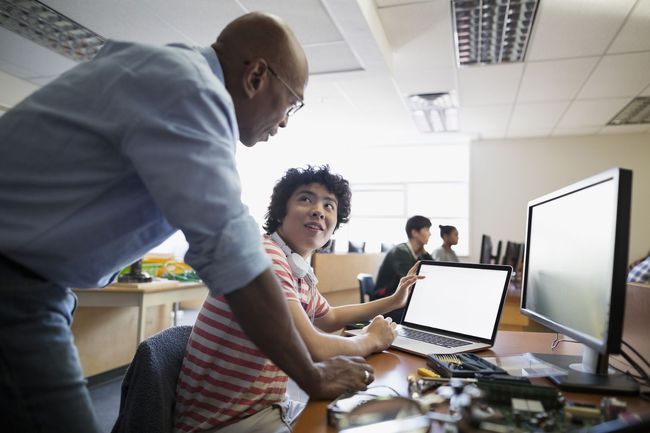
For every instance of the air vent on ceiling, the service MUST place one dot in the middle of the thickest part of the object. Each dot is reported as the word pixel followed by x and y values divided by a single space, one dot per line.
pixel 434 112
pixel 45 26
pixel 492 31
pixel 635 113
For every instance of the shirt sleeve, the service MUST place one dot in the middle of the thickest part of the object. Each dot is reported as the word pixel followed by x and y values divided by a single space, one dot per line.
pixel 282 271
pixel 184 153
pixel 322 306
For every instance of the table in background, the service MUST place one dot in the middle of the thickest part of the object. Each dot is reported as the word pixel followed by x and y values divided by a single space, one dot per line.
pixel 110 323
pixel 392 368
pixel 141 297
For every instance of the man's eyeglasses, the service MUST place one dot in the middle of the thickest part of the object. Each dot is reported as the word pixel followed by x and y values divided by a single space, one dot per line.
pixel 296 105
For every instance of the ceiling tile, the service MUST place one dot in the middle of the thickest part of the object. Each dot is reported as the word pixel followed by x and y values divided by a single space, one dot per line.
pixel 646 92
pixel 369 94
pixel 318 28
pixel 624 129
pixel 635 34
pixel 389 3
pixel 331 57
pixel 573 28
pixel 478 119
pixel 27 60
pixel 14 89
pixel 519 133
pixel 536 116
pixel 618 75
pixel 490 135
pixel 584 130
pixel 423 53
pixel 591 112
pixel 127 20
pixel 554 80
pixel 488 85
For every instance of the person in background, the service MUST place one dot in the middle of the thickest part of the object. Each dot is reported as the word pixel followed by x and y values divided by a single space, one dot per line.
pixel 401 258
pixel 449 236
pixel 640 271
pixel 226 383
pixel 110 159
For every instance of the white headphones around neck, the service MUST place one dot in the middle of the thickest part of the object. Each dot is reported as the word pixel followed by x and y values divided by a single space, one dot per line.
pixel 299 266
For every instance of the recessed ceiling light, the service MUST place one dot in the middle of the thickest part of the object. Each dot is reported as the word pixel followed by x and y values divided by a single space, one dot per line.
pixel 635 113
pixel 47 27
pixel 492 31
pixel 434 112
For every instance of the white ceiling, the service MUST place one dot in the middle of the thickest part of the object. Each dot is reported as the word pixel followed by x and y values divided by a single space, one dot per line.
pixel 586 60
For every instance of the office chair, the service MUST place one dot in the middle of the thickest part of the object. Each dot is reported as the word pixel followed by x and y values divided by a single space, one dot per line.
pixel 149 386
pixel 328 247
pixel 366 286
pixel 356 247
pixel 386 247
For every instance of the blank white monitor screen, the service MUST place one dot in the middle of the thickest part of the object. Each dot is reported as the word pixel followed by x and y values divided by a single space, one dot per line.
pixel 571 253
pixel 457 299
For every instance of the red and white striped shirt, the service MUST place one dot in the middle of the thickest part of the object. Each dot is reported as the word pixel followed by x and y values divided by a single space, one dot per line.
pixel 224 376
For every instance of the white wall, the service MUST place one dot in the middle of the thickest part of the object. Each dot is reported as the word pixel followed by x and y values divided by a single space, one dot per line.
pixel 506 174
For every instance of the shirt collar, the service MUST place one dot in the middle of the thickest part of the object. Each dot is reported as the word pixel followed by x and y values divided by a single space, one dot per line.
pixel 408 244
pixel 213 61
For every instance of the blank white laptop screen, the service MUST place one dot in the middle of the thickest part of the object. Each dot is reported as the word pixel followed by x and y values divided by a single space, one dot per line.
pixel 457 299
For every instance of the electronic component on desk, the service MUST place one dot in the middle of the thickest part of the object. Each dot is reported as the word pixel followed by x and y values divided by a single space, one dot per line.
pixel 425 372
pixel 462 365
pixel 502 392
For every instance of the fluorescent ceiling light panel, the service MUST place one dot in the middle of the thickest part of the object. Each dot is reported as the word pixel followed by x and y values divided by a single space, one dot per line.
pixel 434 112
pixel 635 113
pixel 492 31
pixel 47 27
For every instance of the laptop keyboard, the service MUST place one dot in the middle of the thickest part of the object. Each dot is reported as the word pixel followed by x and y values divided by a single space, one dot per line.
pixel 427 337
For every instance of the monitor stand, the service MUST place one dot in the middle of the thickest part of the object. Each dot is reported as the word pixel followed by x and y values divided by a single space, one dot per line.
pixel 589 373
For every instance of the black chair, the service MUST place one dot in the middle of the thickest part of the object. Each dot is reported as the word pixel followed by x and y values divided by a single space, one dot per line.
pixel 366 286
pixel 356 247
pixel 386 247
pixel 149 386
pixel 328 248
pixel 486 251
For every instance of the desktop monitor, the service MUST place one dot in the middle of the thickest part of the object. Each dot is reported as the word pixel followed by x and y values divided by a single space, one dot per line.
pixel 574 275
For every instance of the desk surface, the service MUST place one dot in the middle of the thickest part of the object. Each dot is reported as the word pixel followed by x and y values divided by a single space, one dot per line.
pixel 393 367
pixel 157 286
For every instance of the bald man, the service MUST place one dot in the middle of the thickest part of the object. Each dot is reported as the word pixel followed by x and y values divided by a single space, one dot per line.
pixel 109 160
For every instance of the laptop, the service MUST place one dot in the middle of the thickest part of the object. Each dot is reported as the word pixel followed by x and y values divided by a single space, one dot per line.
pixel 455 309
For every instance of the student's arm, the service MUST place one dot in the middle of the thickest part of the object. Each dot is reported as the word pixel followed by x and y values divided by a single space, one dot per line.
pixel 338 317
pixel 261 310
pixel 380 334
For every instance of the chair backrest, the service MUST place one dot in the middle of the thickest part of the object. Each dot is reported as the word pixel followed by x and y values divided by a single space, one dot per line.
pixel 385 247
pixel 366 286
pixel 328 247
pixel 356 247
pixel 149 386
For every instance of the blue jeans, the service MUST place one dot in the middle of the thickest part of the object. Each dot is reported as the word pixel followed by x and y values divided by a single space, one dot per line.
pixel 42 388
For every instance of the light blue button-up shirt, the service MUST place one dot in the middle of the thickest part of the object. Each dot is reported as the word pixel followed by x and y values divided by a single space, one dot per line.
pixel 107 161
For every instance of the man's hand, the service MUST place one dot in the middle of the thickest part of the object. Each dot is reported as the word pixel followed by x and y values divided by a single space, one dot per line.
pixel 339 375
pixel 405 284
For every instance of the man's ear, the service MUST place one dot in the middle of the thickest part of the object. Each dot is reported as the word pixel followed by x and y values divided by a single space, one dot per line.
pixel 255 77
